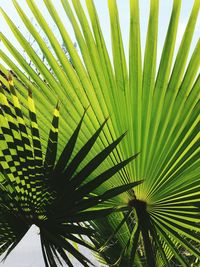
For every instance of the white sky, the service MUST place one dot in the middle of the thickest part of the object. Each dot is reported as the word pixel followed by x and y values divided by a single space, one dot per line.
pixel 28 253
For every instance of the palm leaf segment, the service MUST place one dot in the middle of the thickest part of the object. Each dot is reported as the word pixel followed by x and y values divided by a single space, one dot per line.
pixel 159 108
pixel 37 189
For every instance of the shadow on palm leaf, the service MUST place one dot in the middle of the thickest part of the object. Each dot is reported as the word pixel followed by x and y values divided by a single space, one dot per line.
pixel 52 194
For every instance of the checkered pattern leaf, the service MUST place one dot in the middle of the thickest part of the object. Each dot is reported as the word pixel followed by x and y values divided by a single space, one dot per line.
pixel 37 188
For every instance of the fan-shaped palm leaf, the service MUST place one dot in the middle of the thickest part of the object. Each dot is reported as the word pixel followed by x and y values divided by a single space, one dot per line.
pixel 37 189
pixel 160 110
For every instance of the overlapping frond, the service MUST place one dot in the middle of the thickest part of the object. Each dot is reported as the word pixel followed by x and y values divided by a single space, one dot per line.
pixel 37 188
pixel 158 105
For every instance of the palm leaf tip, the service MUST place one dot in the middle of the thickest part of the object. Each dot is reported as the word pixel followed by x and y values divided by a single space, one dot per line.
pixel 10 79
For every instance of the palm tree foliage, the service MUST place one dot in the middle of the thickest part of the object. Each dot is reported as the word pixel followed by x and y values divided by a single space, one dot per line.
pixel 35 189
pixel 158 106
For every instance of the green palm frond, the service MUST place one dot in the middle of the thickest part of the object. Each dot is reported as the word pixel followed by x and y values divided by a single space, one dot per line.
pixel 156 103
pixel 52 194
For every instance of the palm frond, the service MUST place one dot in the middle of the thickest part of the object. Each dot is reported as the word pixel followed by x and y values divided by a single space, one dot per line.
pixel 38 189
pixel 158 103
